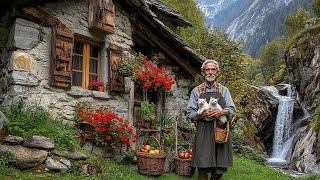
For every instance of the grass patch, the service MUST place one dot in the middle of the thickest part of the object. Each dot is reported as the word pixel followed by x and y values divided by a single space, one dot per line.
pixel 312 30
pixel 35 120
pixel 243 169
pixel 315 125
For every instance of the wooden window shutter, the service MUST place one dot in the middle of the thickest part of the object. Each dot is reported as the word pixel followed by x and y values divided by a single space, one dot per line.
pixel 116 81
pixel 101 16
pixel 61 60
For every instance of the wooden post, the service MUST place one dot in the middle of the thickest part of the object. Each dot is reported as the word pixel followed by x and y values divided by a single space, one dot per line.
pixel 176 134
pixel 131 104
pixel 131 111
pixel 159 105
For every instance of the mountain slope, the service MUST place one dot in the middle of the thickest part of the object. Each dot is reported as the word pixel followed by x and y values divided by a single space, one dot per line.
pixel 254 21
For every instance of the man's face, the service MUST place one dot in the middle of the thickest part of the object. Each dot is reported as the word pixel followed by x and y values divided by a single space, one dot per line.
pixel 210 72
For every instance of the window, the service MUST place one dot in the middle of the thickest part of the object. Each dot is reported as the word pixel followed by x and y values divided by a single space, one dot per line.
pixel 85 63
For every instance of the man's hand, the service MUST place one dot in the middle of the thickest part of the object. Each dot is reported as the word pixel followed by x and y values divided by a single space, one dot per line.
pixel 214 114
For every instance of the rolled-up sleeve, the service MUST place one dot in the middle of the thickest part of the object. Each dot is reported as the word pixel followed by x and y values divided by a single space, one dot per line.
pixel 229 103
pixel 192 105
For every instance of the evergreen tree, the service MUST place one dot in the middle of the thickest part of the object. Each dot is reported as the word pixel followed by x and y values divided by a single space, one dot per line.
pixel 315 7
pixel 271 58
pixel 295 22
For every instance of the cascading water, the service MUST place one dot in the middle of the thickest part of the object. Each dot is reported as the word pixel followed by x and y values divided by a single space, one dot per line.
pixel 283 131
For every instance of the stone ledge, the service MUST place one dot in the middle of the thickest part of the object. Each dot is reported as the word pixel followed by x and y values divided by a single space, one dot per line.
pixel 87 93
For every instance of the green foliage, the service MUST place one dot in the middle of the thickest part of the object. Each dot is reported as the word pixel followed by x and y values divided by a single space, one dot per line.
pixel 126 67
pixel 129 158
pixel 75 168
pixel 271 57
pixel 295 22
pixel 147 109
pixel 312 31
pixel 315 7
pixel 281 76
pixel 259 80
pixel 198 79
pixel 315 125
pixel 252 153
pixel 35 120
pixel 243 140
pixel 167 120
pixel 6 159
pixel 189 10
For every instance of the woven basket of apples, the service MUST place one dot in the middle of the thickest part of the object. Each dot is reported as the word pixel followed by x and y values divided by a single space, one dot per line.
pixel 182 163
pixel 150 160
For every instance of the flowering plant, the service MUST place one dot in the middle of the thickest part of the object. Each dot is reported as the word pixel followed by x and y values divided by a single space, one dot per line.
pixel 109 128
pixel 153 77
pixel 96 84
pixel 126 67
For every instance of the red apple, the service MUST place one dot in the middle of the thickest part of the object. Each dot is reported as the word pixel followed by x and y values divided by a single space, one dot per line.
pixel 186 155
pixel 190 151
pixel 181 155
pixel 141 150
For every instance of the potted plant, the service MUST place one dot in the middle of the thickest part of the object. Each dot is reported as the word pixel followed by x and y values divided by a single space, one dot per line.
pixel 126 69
pixel 167 122
pixel 103 126
pixel 96 85
pixel 147 111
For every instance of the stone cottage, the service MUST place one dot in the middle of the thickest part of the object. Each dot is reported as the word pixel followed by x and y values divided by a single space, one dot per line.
pixel 51 50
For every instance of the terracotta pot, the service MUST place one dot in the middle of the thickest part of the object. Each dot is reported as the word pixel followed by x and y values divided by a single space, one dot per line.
pixel 166 130
pixel 101 89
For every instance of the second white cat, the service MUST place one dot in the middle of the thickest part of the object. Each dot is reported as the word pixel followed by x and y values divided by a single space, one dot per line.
pixel 213 104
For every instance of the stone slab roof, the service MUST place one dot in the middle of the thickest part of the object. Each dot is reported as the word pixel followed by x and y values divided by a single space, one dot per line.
pixel 174 15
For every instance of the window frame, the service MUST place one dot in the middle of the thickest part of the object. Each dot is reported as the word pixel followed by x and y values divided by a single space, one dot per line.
pixel 86 61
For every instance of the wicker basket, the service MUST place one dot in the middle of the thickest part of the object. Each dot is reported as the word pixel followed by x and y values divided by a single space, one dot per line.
pixel 221 133
pixel 151 164
pixel 183 167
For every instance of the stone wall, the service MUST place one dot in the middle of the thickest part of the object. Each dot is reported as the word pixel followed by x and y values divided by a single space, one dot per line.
pixel 28 65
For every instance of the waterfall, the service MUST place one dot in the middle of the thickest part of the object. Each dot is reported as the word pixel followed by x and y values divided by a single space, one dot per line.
pixel 283 130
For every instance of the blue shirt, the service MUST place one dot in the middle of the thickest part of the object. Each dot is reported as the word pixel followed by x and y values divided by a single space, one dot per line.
pixel 193 105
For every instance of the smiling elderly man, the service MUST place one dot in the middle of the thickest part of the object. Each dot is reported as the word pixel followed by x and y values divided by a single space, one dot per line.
pixel 209 156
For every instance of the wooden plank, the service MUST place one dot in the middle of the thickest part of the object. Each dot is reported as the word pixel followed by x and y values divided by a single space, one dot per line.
pixel 62 79
pixel 131 104
pixel 40 16
pixel 62 73
pixel 65 33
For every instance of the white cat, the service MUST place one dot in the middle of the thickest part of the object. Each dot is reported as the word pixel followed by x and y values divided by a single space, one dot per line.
pixel 202 105
pixel 213 104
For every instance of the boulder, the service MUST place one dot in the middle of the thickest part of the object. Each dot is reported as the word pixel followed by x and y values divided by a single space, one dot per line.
pixel 72 154
pixel 25 157
pixel 264 115
pixel 55 165
pixel 13 140
pixel 3 120
pixel 306 154
pixel 40 142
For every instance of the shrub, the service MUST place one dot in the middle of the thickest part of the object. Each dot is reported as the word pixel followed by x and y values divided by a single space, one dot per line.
pixel 6 159
pixel 315 125
pixel 35 120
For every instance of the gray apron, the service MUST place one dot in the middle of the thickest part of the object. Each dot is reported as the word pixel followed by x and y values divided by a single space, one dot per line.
pixel 206 153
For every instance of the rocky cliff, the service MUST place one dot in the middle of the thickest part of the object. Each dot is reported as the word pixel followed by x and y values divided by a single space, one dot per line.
pixel 303 62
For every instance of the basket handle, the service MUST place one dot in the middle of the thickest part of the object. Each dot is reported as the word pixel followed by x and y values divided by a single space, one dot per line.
pixel 158 142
